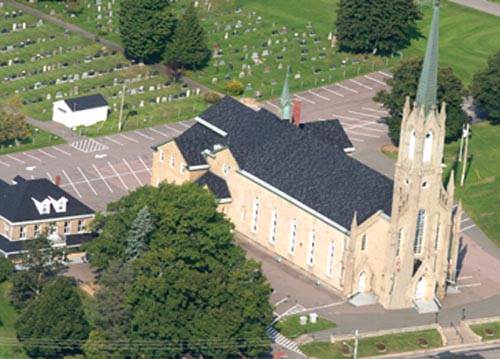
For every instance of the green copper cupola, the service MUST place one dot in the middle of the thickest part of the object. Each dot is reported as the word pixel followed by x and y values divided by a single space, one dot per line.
pixel 285 101
pixel 427 86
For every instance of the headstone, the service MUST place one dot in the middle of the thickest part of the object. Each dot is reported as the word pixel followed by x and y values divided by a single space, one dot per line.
pixel 141 104
pixel 241 74
pixel 265 53
pixel 226 36
pixel 280 66
pixel 303 320
pixel 297 76
pixel 249 86
pixel 214 81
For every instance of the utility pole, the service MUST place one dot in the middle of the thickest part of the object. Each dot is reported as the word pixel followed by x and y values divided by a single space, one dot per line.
pixel 465 154
pixel 121 108
pixel 462 135
pixel 355 355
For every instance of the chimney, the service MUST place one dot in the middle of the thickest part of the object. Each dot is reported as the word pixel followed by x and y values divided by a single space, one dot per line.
pixel 297 105
pixel 58 181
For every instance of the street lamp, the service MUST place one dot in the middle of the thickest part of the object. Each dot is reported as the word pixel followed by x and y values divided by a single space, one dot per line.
pixel 355 349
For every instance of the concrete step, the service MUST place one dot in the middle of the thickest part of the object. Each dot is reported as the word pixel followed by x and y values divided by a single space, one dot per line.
pixel 424 307
pixel 362 299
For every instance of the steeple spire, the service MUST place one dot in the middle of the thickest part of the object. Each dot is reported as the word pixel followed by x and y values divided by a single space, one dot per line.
pixel 427 86
pixel 285 101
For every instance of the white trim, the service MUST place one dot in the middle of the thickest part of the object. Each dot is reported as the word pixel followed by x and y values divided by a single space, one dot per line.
pixel 349 149
pixel 198 167
pixel 225 200
pixel 294 201
pixel 210 126
pixel 47 220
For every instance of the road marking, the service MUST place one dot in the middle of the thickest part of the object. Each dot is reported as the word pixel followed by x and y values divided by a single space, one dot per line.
pixel 50 177
pixel 106 177
pixel 86 180
pixel 362 134
pixel 318 95
pixel 129 138
pixel 363 114
pixel 273 105
pixel 158 132
pixel 466 219
pixel 281 301
pixel 58 149
pixel 88 145
pixel 356 139
pixel 71 183
pixel 4 163
pixel 375 80
pixel 469 285
pixel 131 170
pixel 305 99
pixel 352 119
pixel 361 84
pixel 346 88
pixel 463 278
pixel 467 228
pixel 383 112
pixel 114 141
pixel 323 306
pixel 172 128
pixel 16 159
pixel 333 92
pixel 47 154
pixel 385 74
pixel 146 167
pixel 102 177
pixel 183 124
pixel 121 180
pixel 33 157
pixel 143 135
pixel 365 126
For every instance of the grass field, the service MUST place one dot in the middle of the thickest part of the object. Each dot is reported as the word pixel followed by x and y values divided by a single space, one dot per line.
pixel 290 327
pixel 493 330
pixel 9 347
pixel 38 139
pixel 395 343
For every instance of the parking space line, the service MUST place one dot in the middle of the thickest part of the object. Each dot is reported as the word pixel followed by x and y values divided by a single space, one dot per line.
pixel 361 84
pixel 158 132
pixel 273 105
pixel 47 154
pixel 16 159
pixel 129 138
pixel 86 180
pixel 102 177
pixel 143 135
pixel 351 119
pixel 333 92
pixel 346 88
pixel 114 141
pixel 365 127
pixel 466 219
pixel 50 177
pixel 133 172
pixel 71 183
pixel 172 128
pixel 383 112
pixel 467 228
pixel 375 80
pixel 361 134
pixel 117 175
pixel 183 124
pixel 385 74
pixel 146 167
pixel 4 163
pixel 356 139
pixel 364 114
pixel 305 99
pixel 58 149
pixel 33 157
pixel 318 95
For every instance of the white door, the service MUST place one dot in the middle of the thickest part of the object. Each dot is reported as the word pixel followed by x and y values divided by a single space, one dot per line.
pixel 420 292
pixel 361 282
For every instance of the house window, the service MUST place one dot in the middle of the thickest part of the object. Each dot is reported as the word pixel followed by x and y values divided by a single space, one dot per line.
pixel 293 237
pixel 45 207
pixel 81 225
pixel 312 244
pixel 172 161
pixel 226 170
pixel 331 257
pixel 67 227
pixel 398 243
pixel 162 156
pixel 6 229
pixel 37 230
pixel 22 232
pixel 274 224
pixel 427 147
pixel 255 215
pixel 419 232
pixel 363 242
pixel 182 168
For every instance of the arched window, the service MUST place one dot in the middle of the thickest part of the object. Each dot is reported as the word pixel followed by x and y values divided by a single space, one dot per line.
pixel 411 149
pixel 255 214
pixel 312 244
pixel 427 147
pixel 419 232
pixel 293 237
pixel 274 224
pixel 331 257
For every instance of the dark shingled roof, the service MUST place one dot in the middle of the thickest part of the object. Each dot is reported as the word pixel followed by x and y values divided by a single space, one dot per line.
pixel 215 184
pixel 72 240
pixel 299 162
pixel 86 102
pixel 7 246
pixel 17 206
pixel 329 132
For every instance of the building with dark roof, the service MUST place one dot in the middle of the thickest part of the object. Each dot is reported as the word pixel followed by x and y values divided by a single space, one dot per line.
pixel 30 208
pixel 81 111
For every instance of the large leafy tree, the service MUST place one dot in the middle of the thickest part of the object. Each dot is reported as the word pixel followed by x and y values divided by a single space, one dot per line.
pixel 192 291
pixel 405 83
pixel 13 125
pixel 145 28
pixel 486 89
pixel 188 48
pixel 54 324
pixel 384 26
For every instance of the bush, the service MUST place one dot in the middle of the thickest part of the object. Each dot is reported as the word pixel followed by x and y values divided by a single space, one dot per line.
pixel 211 97
pixel 234 87
pixel 6 269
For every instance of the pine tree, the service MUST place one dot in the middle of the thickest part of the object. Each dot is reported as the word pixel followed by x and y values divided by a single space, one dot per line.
pixel 138 236
pixel 188 49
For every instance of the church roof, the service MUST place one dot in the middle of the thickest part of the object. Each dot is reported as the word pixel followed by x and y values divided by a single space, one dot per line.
pixel 296 161
pixel 215 184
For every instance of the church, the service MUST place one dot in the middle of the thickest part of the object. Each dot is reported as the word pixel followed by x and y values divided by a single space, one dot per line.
pixel 294 190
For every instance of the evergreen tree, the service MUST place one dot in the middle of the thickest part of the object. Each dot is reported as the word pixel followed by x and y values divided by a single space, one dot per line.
pixel 188 49
pixel 486 89
pixel 383 26
pixel 405 83
pixel 145 28
pixel 138 236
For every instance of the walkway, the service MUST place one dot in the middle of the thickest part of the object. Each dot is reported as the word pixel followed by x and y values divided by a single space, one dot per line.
pixel 55 128
pixel 481 5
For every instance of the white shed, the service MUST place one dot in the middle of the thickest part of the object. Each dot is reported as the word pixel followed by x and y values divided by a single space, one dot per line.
pixel 81 111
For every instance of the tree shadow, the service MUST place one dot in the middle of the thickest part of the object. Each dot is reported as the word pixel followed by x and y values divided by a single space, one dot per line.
pixel 462 252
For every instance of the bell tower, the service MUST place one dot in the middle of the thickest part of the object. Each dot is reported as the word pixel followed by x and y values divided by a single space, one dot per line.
pixel 423 239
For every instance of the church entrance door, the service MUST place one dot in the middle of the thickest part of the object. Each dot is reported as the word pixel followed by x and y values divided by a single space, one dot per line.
pixel 420 291
pixel 361 282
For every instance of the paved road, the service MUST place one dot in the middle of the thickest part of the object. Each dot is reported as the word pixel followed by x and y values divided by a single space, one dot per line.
pixel 481 5
pixel 486 351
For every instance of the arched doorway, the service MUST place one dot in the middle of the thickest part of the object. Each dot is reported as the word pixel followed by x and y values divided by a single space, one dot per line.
pixel 420 291
pixel 361 282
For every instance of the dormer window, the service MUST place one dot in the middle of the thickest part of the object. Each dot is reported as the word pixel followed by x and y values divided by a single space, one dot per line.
pixel 43 207
pixel 59 204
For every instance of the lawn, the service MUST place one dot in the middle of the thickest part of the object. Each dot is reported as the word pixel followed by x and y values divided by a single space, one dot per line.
pixel 290 326
pixel 39 138
pixel 489 331
pixel 9 346
pixel 394 343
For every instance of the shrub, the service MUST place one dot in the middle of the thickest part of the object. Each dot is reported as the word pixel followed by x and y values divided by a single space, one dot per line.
pixel 234 87
pixel 211 97
pixel 6 269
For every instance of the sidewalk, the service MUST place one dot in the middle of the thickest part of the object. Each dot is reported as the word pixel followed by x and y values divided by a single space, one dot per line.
pixel 56 128
pixel 481 5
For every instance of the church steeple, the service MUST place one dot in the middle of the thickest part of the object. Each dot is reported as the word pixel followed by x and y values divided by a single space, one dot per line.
pixel 285 101
pixel 427 86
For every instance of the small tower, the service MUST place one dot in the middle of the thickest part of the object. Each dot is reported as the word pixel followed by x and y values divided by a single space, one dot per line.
pixel 285 101
pixel 423 239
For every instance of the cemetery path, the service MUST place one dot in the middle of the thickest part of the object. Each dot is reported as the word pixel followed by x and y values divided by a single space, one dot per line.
pixel 481 5
pixel 87 34
pixel 57 129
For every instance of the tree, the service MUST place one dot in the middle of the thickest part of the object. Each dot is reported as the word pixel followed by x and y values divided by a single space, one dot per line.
pixel 383 26
pixel 138 236
pixel 54 324
pixel 13 125
pixel 405 83
pixel 188 49
pixel 6 269
pixel 145 28
pixel 97 346
pixel 485 89
pixel 234 87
